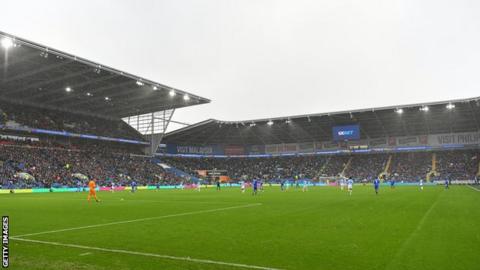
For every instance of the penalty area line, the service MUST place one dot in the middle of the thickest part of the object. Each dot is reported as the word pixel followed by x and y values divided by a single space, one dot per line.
pixel 145 254
pixel 476 189
pixel 140 220
pixel 412 235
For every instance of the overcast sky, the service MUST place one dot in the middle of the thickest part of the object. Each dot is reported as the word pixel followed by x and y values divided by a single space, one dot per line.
pixel 260 59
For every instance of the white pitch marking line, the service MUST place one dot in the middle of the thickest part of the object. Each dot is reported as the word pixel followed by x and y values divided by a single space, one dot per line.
pixel 83 254
pixel 412 235
pixel 121 251
pixel 473 188
pixel 140 219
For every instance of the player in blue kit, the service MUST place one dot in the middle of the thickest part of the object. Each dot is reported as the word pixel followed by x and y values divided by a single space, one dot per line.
pixel 376 184
pixel 255 187
pixel 447 183
pixel 392 183
pixel 134 186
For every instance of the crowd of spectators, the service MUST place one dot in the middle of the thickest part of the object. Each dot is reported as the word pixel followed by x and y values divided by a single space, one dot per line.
pixel 462 165
pixel 412 166
pixel 367 167
pixel 53 166
pixel 273 168
pixel 312 167
pixel 33 117
pixel 56 163
pixel 334 165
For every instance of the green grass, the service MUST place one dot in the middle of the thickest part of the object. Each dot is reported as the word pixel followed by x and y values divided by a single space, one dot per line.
pixel 323 228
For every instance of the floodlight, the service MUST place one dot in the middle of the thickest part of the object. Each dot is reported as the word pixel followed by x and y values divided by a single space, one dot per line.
pixel 7 43
pixel 450 106
pixel 424 108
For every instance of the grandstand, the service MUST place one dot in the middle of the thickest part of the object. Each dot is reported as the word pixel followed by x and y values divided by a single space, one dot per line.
pixel 403 143
pixel 67 122
pixel 61 115
pixel 58 101
pixel 45 91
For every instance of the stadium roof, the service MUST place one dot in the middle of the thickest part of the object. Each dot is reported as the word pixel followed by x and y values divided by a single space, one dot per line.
pixel 403 120
pixel 35 74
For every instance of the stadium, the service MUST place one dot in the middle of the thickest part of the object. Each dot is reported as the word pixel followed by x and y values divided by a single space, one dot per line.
pixel 393 187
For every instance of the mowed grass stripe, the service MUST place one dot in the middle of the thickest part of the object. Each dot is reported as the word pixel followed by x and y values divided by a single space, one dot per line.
pixel 139 220
pixel 187 259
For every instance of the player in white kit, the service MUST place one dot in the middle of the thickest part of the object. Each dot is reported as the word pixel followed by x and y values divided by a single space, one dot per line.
pixel 342 184
pixel 350 185
pixel 421 184
pixel 242 186
pixel 305 185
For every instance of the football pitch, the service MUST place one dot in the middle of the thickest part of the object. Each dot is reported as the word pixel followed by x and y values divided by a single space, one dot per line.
pixel 324 228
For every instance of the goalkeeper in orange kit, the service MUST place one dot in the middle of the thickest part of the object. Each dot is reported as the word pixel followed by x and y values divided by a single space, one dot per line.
pixel 92 191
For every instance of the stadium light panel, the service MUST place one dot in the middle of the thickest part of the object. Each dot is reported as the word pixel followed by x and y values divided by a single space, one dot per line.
pixel 139 83
pixel 424 108
pixel 252 124
pixel 270 123
pixel 89 94
pixel 68 89
pixel 107 98
pixel 186 97
pixel 450 106
pixel 155 88
pixel 399 111
pixel 7 43
pixel 288 121
pixel 172 93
